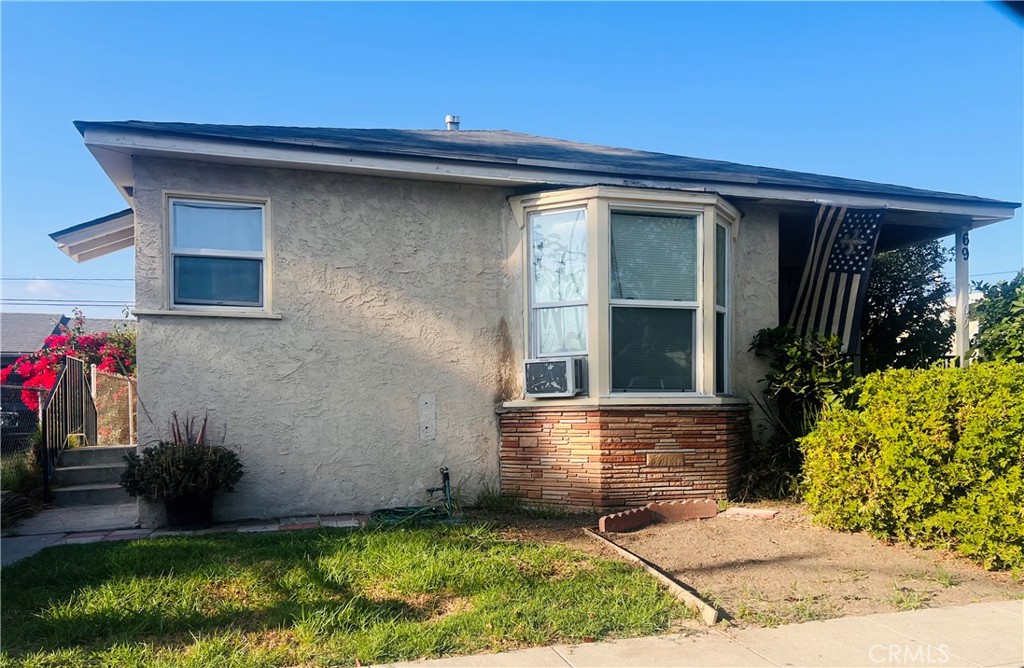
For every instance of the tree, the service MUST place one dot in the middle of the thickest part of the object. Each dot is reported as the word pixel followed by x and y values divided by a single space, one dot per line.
pixel 903 324
pixel 1000 315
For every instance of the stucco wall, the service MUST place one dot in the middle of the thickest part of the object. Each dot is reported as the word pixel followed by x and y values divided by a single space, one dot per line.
pixel 755 301
pixel 388 290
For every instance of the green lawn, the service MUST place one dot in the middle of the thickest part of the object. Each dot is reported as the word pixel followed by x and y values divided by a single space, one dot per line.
pixel 324 597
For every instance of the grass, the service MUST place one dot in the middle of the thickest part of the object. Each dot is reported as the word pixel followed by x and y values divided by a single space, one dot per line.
pixel 326 597
pixel 15 471
pixel 511 505
pixel 904 598
pixel 756 608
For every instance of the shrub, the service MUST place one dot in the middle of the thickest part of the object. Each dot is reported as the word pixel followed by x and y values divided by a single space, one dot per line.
pixel 175 471
pixel 184 467
pixel 19 471
pixel 931 457
pixel 806 373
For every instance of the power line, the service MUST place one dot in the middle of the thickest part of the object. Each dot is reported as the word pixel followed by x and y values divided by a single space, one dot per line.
pixel 68 280
pixel 990 273
pixel 63 302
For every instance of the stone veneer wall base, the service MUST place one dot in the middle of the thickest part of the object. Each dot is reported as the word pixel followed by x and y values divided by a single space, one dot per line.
pixel 622 456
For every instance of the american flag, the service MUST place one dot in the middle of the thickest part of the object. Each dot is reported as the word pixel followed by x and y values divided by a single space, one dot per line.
pixel 835 278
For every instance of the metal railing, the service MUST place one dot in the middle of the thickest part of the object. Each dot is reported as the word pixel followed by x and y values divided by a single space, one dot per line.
pixel 67 417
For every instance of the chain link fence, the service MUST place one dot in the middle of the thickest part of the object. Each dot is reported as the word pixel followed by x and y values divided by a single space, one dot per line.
pixel 114 397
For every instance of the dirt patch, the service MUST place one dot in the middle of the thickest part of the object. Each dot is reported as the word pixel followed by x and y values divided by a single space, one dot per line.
pixel 783 570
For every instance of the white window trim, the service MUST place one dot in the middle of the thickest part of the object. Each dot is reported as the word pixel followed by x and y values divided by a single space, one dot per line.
pixel 532 338
pixel 611 207
pixel 725 310
pixel 599 201
pixel 171 251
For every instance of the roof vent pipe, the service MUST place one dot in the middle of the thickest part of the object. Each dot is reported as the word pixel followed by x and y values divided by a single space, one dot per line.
pixel 451 122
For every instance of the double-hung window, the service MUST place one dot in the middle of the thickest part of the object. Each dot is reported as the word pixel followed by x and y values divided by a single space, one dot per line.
pixel 218 253
pixel 653 297
pixel 558 282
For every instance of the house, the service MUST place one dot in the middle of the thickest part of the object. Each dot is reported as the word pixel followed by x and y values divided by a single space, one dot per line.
pixel 20 334
pixel 356 307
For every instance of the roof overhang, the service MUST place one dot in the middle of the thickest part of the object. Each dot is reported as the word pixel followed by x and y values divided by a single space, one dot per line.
pixel 114 148
pixel 98 237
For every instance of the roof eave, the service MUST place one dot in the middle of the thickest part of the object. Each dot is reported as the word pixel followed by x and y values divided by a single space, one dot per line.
pixel 98 237
pixel 113 147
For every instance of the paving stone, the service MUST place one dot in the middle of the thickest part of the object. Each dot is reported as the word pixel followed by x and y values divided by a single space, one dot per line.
pixel 83 538
pixel 171 532
pixel 258 528
pixel 301 520
pixel 340 522
pixel 219 528
pixel 298 526
pixel 128 534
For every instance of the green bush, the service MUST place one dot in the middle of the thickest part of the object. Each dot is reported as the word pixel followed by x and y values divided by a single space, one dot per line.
pixel 19 472
pixel 806 373
pixel 931 457
pixel 1000 316
pixel 179 470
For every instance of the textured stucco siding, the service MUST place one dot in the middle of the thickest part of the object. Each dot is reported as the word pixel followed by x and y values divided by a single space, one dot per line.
pixel 388 290
pixel 755 302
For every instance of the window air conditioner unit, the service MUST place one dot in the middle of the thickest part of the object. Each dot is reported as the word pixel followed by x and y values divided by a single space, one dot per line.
pixel 555 377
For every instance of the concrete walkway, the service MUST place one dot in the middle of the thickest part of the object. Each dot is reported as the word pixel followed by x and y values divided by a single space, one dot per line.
pixel 75 525
pixel 981 634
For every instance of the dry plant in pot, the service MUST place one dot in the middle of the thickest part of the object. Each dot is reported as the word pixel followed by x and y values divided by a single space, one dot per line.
pixel 185 473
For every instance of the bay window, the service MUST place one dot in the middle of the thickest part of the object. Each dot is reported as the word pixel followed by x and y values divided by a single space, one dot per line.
pixel 637 281
pixel 558 282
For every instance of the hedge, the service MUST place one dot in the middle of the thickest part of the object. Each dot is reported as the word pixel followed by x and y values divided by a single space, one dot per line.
pixel 931 457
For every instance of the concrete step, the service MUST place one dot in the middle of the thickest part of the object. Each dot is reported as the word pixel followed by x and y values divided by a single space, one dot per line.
pixel 95 455
pixel 102 474
pixel 90 495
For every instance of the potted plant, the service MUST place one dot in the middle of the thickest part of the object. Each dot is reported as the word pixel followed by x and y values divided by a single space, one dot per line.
pixel 184 473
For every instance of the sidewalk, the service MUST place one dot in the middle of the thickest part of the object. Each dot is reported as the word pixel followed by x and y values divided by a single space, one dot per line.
pixel 981 634
pixel 91 524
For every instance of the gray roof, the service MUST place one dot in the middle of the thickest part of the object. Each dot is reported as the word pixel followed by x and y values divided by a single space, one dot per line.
pixel 502 147
pixel 94 325
pixel 25 332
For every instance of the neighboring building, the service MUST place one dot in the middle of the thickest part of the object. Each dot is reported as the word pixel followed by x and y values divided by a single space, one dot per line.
pixel 356 306
pixel 23 333
pixel 20 334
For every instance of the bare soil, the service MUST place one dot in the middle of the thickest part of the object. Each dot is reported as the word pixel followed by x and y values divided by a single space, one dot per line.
pixel 769 572
pixel 783 570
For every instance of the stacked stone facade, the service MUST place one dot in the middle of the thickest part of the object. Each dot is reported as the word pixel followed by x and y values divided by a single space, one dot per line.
pixel 611 457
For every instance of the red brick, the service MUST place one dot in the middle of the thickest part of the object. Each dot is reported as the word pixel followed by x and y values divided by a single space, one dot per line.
pixel 629 520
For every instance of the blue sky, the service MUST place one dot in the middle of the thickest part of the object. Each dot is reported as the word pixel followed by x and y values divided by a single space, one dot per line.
pixel 920 94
